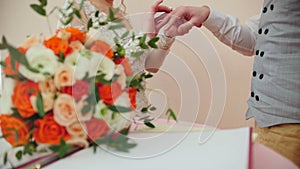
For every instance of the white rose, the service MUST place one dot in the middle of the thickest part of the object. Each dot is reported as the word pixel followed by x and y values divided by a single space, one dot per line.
pixel 5 99
pixel 42 59
pixel 99 64
pixel 79 63
pixel 118 121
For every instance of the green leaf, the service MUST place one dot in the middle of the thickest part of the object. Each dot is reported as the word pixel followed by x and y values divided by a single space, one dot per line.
pixel 125 131
pixel 18 56
pixel 5 158
pixel 77 13
pixel 69 20
pixel 144 46
pixel 171 114
pixel 19 155
pixel 61 57
pixel 152 42
pixel 97 14
pixel 137 54
pixel 86 109
pixel 149 124
pixel 119 109
pixel 117 26
pixel 152 108
pixel 144 109
pixel 149 75
pixel 40 105
pixel 90 24
pixel 111 15
pixel 39 9
pixel 143 39
pixel 100 78
pixel 2 47
pixel 61 149
pixel 81 4
pixel 125 34
pixel 43 2
pixel 3 64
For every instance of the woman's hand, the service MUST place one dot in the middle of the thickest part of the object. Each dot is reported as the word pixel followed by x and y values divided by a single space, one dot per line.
pixel 150 24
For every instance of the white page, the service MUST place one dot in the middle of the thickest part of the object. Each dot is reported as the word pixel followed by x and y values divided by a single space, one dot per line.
pixel 226 149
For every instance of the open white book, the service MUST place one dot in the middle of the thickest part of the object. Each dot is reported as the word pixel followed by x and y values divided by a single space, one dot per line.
pixel 226 149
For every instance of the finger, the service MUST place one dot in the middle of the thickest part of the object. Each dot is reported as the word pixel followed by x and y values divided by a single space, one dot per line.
pixel 155 5
pixel 185 28
pixel 163 8
pixel 163 22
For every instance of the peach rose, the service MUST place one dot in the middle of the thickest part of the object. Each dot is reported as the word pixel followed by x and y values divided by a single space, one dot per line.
pixel 64 110
pixel 76 45
pixel 48 131
pixel 79 142
pixel 77 129
pixel 12 125
pixel 64 77
pixel 47 86
pixel 23 91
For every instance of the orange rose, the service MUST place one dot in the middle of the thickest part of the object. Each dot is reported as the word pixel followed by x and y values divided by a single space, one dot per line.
pixel 21 97
pixel 109 93
pixel 76 34
pixel 12 127
pixel 79 89
pixel 102 48
pixel 8 69
pixel 96 128
pixel 58 45
pixel 132 96
pixel 125 63
pixel 48 131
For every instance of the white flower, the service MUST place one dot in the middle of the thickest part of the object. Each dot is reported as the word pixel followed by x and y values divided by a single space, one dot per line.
pixel 116 121
pixel 5 99
pixel 100 64
pixel 79 63
pixel 42 59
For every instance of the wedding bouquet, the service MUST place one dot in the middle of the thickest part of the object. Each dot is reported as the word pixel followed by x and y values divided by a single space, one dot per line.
pixel 72 88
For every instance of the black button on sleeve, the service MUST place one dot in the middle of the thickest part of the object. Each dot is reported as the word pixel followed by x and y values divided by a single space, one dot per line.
pixel 256 98
pixel 259 31
pixel 257 52
pixel 266 31
pixel 252 94
pixel 272 7
pixel 254 73
pixel 262 53
pixel 265 10
pixel 261 76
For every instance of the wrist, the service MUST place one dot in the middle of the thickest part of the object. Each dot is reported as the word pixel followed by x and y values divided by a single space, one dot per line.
pixel 165 42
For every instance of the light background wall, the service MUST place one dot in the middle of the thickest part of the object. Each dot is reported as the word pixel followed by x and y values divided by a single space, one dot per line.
pixel 17 21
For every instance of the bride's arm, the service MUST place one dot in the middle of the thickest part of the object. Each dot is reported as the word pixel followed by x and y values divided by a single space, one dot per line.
pixel 156 57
